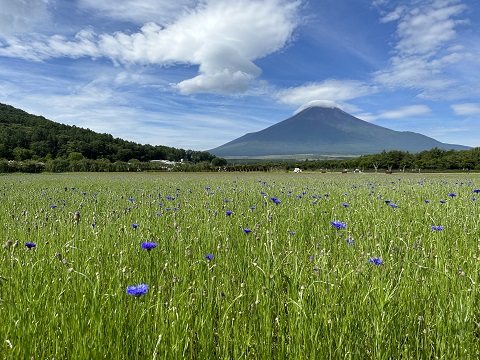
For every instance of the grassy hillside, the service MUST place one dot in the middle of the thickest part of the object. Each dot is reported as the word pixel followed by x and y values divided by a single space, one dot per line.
pixel 25 136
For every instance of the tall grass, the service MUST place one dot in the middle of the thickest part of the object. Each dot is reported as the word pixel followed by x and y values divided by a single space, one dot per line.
pixel 293 287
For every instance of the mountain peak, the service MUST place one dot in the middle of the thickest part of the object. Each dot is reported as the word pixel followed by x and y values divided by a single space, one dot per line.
pixel 317 103
pixel 321 127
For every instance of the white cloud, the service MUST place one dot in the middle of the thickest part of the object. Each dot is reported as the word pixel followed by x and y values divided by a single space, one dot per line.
pixel 332 90
pixel 405 111
pixel 139 12
pixel 466 109
pixel 425 29
pixel 400 113
pixel 318 103
pixel 223 38
pixel 394 15
pixel 18 16
pixel 427 48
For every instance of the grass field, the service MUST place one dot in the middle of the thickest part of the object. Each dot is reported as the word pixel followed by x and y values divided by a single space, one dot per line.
pixel 239 266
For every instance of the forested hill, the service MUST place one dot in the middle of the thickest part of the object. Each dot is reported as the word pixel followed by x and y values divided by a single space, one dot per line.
pixel 24 136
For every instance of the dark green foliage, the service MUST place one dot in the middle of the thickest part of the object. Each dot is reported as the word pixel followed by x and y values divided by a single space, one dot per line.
pixel 24 136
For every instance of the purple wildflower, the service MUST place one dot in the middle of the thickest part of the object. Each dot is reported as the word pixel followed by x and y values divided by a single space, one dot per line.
pixel 339 224
pixel 246 231
pixel 275 200
pixel 134 225
pixel 137 290
pixel 149 246
pixel 436 228
pixel 209 257
pixel 376 261
pixel 30 245
pixel 228 212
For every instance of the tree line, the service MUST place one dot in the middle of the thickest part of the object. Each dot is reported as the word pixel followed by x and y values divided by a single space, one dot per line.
pixel 399 161
pixel 26 137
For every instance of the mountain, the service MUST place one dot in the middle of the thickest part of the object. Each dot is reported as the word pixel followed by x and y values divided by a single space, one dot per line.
pixel 326 131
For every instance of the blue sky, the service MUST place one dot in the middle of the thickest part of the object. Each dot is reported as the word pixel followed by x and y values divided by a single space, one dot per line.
pixel 196 74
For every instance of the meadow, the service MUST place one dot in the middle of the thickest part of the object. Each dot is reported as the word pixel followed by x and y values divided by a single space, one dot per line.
pixel 239 266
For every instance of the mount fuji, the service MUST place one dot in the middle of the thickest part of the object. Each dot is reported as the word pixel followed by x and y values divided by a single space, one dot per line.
pixel 326 130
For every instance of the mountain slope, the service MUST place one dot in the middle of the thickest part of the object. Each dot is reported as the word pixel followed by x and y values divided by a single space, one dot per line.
pixel 324 130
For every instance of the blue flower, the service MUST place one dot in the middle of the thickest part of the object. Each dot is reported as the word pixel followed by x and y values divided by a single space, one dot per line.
pixel 394 206
pixel 476 191
pixel 345 205
pixel 388 201
pixel 426 201
pixel 131 199
pixel 149 245
pixel 209 257
pixel 275 200
pixel 339 224
pixel 442 201
pixel 246 231
pixel 292 232
pixel 228 212
pixel 137 290
pixel 350 242
pixel 452 195
pixel 436 228
pixel 30 245
pixel 134 225
pixel 376 261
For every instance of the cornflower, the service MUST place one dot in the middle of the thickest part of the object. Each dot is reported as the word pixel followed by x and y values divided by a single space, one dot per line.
pixel 137 291
pixel 339 224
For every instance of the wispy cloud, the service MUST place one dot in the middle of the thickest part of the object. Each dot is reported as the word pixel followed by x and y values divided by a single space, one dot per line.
pixel 466 109
pixel 139 12
pixel 400 113
pixel 426 47
pixel 21 16
pixel 337 91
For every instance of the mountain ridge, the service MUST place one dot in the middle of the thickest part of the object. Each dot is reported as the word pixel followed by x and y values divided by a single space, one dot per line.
pixel 326 131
